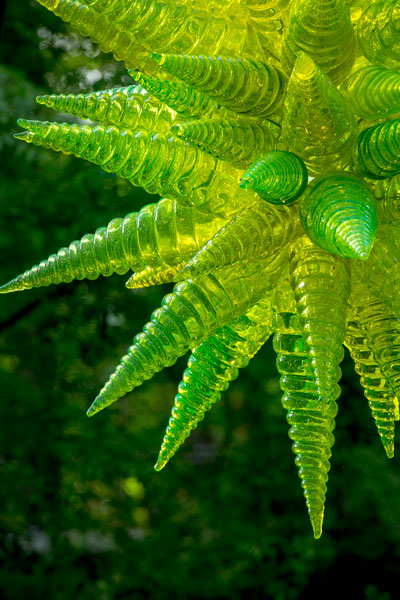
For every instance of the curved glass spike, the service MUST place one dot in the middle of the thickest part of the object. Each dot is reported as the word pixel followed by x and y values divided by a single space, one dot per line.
pixel 161 235
pixel 382 270
pixel 317 123
pixel 338 213
pixel 180 97
pixel 260 229
pixel 316 277
pixel 310 417
pixel 322 29
pixel 153 276
pixel 238 142
pixel 101 30
pixel 381 328
pixel 156 163
pixel 241 85
pixel 381 399
pixel 211 367
pixel 179 27
pixel 187 316
pixel 127 107
pixel 279 177
pixel 378 33
pixel 387 194
pixel 372 91
pixel 376 153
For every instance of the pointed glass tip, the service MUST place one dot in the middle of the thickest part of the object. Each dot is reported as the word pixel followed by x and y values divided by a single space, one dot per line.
pixel 15 285
pixel 132 283
pixel 245 183
pixel 158 58
pixel 389 449
pixel 46 100
pixel 25 136
pixel 178 130
pixel 161 462
pixel 93 409
pixel 316 524
pixel 304 66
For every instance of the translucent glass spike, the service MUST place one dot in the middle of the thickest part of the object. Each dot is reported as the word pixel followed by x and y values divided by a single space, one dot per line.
pixel 311 421
pixel 211 367
pixel 372 91
pixel 242 85
pixel 322 29
pixel 128 107
pixel 279 177
pixel 162 235
pixel 153 276
pixel 316 277
pixel 101 30
pixel 182 98
pixel 381 330
pixel 238 142
pixel 187 316
pixel 180 27
pixel 387 194
pixel 376 153
pixel 260 229
pixel 317 124
pixel 338 213
pixel 381 399
pixel 378 33
pixel 156 163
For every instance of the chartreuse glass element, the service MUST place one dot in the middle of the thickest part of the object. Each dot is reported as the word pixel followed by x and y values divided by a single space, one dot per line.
pixel 278 177
pixel 311 420
pixel 244 108
pixel 211 367
pixel 339 214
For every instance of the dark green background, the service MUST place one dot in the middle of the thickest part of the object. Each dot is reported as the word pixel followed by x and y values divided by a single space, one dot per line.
pixel 83 514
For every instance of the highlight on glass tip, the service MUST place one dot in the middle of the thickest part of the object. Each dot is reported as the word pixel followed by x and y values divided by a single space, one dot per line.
pixel 271 130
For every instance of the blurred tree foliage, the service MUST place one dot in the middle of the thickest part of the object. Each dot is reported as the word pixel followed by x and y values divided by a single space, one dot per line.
pixel 83 515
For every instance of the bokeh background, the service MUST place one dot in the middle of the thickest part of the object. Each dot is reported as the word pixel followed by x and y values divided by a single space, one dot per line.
pixel 82 512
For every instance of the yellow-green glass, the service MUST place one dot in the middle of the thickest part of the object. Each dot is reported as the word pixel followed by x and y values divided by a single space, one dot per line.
pixel 322 29
pixel 381 399
pixel 279 177
pixel 242 85
pixel 339 215
pixel 211 367
pixel 376 153
pixel 317 123
pixel 239 142
pixel 311 420
pixel 387 194
pixel 190 314
pixel 260 229
pixel 378 33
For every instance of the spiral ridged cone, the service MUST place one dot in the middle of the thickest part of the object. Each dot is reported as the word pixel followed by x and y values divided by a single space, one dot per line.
pixel 317 123
pixel 377 389
pixel 258 230
pixel 338 213
pixel 323 29
pixel 378 33
pixel 163 235
pixel 190 314
pixel 182 98
pixel 377 151
pixel 154 162
pixel 241 85
pixel 101 30
pixel 238 142
pixel 176 27
pixel 372 91
pixel 316 277
pixel 311 420
pixel 278 177
pixel 129 107
pixel 211 367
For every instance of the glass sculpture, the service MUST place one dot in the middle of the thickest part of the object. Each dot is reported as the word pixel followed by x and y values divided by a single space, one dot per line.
pixel 271 129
